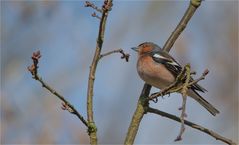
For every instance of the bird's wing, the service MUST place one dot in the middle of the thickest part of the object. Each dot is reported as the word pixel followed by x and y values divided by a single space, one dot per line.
pixel 168 61
pixel 173 66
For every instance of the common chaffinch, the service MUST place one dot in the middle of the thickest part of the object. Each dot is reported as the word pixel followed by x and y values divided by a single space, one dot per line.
pixel 159 69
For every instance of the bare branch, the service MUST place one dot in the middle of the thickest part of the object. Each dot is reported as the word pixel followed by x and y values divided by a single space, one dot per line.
pixel 194 4
pixel 193 125
pixel 206 71
pixel 184 96
pixel 92 129
pixel 67 106
pixel 90 4
pixel 121 51
pixel 141 109
pixel 96 16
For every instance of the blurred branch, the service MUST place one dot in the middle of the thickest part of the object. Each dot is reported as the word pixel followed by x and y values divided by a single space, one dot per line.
pixel 193 125
pixel 194 4
pixel 92 129
pixel 66 105
pixel 121 51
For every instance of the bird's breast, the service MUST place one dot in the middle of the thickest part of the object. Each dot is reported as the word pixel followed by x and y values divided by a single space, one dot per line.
pixel 154 73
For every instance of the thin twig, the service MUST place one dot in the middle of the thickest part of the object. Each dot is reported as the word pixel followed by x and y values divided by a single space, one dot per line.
pixel 202 77
pixel 121 51
pixel 74 111
pixel 66 105
pixel 193 125
pixel 184 96
pixel 90 4
pixel 96 16
pixel 92 129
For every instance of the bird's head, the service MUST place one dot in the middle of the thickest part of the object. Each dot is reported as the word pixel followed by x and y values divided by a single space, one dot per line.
pixel 146 47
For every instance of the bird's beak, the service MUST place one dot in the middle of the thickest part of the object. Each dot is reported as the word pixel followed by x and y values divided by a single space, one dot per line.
pixel 135 49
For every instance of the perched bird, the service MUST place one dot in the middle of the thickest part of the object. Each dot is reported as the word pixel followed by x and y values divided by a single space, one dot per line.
pixel 157 68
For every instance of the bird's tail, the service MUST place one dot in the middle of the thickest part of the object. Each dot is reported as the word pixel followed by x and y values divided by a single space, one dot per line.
pixel 203 102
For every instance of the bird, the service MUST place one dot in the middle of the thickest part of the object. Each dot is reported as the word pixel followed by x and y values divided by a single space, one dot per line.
pixel 159 69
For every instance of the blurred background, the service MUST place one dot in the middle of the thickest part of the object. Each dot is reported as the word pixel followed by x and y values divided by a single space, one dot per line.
pixel 65 33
